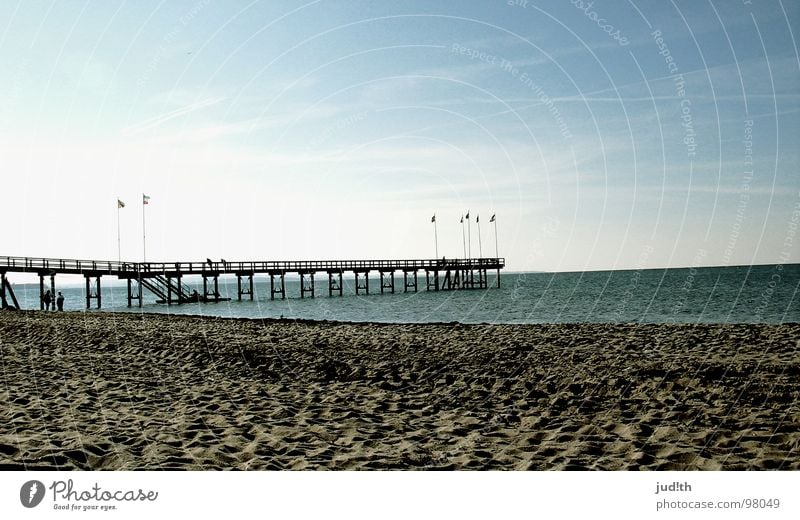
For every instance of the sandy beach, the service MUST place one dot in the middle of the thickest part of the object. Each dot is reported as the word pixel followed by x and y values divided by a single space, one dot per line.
pixel 124 391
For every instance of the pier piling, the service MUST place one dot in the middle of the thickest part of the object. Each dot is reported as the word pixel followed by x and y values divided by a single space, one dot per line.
pixel 246 290
pixel 41 292
pixel 277 290
pixel 408 284
pixel 362 286
pixel 306 288
pixel 93 295
pixel 334 284
pixel 387 281
pixel 137 295
pixel 6 292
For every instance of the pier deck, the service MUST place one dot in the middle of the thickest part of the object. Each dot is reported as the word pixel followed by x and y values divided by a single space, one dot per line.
pixel 164 278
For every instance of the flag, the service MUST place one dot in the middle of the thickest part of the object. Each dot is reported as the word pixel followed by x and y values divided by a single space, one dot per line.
pixel 145 199
pixel 467 215
pixel 462 219
pixel 492 219
pixel 120 204
pixel 433 218
pixel 477 218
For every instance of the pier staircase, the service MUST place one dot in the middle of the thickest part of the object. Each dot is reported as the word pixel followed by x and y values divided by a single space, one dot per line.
pixel 170 290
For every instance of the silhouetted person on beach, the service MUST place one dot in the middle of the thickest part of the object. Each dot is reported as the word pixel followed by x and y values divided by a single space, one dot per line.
pixel 60 301
pixel 47 298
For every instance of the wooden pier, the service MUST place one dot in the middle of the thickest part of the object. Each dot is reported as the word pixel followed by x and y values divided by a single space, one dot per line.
pixel 164 279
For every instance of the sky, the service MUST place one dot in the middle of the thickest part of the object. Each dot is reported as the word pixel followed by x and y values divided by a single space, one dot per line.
pixel 602 135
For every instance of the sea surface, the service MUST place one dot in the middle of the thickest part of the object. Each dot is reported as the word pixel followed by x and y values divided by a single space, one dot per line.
pixel 749 294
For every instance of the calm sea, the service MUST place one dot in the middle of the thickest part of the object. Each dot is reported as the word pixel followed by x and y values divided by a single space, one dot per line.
pixel 756 294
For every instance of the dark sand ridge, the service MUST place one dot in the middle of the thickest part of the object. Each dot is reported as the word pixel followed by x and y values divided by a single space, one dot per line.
pixel 124 391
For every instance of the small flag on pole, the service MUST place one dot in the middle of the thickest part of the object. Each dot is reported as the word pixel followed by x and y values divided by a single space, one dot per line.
pixel 492 219
pixel 433 218
pixel 120 204
pixel 477 218
pixel 462 219
pixel 467 215
pixel 145 199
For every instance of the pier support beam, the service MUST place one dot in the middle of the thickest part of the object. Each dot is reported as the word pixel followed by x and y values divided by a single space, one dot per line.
pixel 93 295
pixel 408 284
pixel 306 288
pixel 3 281
pixel 435 279
pixel 6 292
pixel 246 290
pixel 447 281
pixel 387 281
pixel 281 289
pixel 176 288
pixel 213 294
pixel 334 282
pixel 52 291
pixel 362 284
pixel 134 295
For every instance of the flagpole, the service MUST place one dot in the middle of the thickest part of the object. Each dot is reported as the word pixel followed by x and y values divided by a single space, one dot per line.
pixel 119 242
pixel 480 247
pixel 144 232
pixel 436 236
pixel 496 251
pixel 469 237
pixel 463 237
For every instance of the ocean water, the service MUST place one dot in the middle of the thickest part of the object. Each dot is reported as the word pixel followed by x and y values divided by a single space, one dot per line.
pixel 750 294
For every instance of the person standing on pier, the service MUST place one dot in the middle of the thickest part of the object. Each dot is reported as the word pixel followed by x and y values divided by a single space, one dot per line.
pixel 60 301
pixel 47 298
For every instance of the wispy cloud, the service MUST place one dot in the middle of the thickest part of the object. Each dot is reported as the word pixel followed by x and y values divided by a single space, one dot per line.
pixel 158 120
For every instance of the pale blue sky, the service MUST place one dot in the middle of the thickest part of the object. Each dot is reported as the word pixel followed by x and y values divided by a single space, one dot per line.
pixel 284 130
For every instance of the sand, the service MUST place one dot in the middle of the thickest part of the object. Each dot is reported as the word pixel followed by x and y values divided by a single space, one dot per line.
pixel 123 391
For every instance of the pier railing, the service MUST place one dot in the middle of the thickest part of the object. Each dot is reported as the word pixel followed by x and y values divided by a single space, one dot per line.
pixel 110 267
